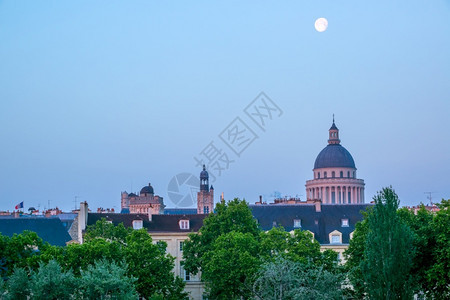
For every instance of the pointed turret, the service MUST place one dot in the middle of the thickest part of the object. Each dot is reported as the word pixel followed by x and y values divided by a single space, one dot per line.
pixel 333 134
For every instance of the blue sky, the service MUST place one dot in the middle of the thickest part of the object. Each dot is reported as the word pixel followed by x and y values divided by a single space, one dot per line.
pixel 99 97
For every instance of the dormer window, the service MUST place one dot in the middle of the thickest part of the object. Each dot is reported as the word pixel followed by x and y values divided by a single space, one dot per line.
pixel 297 223
pixel 137 224
pixel 344 222
pixel 184 224
pixel 335 237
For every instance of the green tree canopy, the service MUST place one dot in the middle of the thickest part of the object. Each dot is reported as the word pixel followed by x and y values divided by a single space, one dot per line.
pixel 285 279
pixel 106 280
pixel 230 248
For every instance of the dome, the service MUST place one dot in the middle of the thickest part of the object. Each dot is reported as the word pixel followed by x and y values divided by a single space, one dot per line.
pixel 147 189
pixel 334 155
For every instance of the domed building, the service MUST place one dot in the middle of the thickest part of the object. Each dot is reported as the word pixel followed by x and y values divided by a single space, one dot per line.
pixel 147 202
pixel 334 172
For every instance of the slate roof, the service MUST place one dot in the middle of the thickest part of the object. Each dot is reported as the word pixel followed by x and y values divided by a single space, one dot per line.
pixel 159 223
pixel 320 223
pixel 180 211
pixel 334 156
pixel 51 230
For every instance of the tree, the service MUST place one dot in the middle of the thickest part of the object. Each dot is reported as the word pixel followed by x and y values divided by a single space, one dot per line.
pixel 17 286
pixel 355 255
pixel 298 246
pixel 232 216
pixel 285 279
pixel 51 282
pixel 108 231
pixel 439 274
pixel 388 252
pixel 106 280
pixel 20 251
pixel 149 263
pixel 231 265
pixel 230 248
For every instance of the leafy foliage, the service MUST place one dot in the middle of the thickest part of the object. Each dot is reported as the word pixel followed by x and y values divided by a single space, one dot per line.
pixel 51 282
pixel 232 216
pixel 107 280
pixel 20 251
pixel 230 249
pixel 231 265
pixel 108 250
pixel 284 279
pixel 430 269
pixel 17 286
pixel 152 267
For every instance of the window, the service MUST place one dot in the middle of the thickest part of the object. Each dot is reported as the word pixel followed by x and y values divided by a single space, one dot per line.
pixel 335 239
pixel 137 224
pixel 344 222
pixel 333 174
pixel 325 174
pixel 297 223
pixel 184 275
pixel 206 210
pixel 184 224
pixel 318 175
pixel 354 174
pixel 341 174
pixel 181 245
pixel 348 174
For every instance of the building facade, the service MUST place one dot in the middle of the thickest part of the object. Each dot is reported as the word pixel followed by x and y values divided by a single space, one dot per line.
pixel 147 202
pixel 334 174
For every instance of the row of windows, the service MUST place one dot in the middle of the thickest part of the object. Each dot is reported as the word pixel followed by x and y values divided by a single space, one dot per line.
pixel 298 223
pixel 333 174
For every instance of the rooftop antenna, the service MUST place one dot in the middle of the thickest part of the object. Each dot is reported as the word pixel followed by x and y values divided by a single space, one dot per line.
pixel 429 197
pixel 75 201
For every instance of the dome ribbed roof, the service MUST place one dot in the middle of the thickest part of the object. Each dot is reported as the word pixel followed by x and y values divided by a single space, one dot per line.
pixel 147 189
pixel 334 155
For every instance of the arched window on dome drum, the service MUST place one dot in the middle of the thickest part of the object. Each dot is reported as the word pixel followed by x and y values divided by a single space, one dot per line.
pixel 325 174
pixel 333 174
pixel 318 175
pixel 348 174
pixel 354 174
pixel 342 174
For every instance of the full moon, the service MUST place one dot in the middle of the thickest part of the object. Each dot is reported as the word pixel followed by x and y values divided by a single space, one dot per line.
pixel 321 24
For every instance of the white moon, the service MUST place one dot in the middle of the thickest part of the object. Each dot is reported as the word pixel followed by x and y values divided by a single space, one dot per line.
pixel 321 24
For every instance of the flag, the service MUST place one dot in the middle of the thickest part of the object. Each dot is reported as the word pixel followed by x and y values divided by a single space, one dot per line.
pixel 20 205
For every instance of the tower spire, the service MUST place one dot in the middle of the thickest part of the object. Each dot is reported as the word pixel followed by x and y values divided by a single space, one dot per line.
pixel 333 134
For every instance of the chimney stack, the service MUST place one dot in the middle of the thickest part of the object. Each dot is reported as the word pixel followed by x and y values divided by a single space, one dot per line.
pixel 82 220
pixel 318 205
